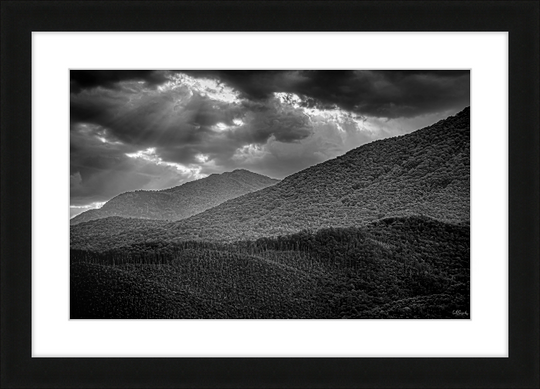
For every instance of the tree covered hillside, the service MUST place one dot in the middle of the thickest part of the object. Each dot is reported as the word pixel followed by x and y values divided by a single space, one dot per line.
pixel 181 201
pixel 412 267
pixel 423 173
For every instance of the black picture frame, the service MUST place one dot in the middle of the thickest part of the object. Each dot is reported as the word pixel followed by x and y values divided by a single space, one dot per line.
pixel 20 18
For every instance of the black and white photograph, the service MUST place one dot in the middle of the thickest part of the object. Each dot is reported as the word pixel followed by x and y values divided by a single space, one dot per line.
pixel 242 177
pixel 270 194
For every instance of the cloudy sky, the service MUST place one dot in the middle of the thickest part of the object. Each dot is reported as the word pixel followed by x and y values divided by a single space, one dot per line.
pixel 157 129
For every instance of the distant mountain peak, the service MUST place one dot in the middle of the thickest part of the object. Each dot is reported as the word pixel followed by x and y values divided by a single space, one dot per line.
pixel 243 171
pixel 180 201
pixel 239 171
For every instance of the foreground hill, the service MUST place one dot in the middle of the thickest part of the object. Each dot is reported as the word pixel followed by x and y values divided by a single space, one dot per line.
pixel 181 201
pixel 425 173
pixel 411 267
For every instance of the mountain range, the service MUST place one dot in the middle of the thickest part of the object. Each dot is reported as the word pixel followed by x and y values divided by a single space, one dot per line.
pixel 181 201
pixel 425 173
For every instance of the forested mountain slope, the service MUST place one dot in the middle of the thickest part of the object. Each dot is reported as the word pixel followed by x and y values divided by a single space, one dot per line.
pixel 412 267
pixel 425 173
pixel 181 201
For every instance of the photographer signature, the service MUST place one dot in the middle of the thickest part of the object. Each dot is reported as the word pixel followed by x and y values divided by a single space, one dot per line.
pixel 457 312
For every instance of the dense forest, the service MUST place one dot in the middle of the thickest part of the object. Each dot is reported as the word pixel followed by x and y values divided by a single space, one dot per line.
pixel 413 267
pixel 380 232
pixel 181 201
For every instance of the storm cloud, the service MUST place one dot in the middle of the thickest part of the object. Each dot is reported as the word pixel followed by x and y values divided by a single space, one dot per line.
pixel 156 129
pixel 87 79
pixel 380 93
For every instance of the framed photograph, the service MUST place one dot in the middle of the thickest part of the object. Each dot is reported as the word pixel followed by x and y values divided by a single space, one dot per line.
pixel 265 194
